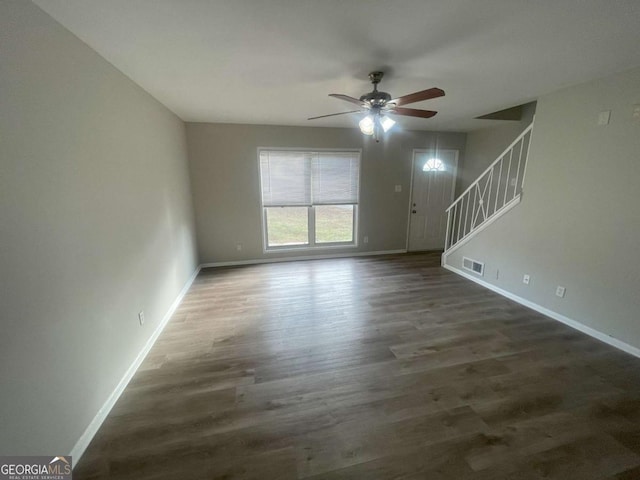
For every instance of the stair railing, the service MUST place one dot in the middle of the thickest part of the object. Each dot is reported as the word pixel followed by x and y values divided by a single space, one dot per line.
pixel 495 191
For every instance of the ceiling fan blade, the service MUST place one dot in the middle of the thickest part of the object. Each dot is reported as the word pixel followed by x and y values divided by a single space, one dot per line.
pixel 418 96
pixel 412 112
pixel 346 98
pixel 334 114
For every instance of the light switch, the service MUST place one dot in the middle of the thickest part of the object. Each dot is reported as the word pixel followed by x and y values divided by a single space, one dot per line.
pixel 398 188
pixel 603 117
pixel 636 112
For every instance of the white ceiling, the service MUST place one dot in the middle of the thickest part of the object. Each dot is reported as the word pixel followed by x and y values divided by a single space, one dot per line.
pixel 275 61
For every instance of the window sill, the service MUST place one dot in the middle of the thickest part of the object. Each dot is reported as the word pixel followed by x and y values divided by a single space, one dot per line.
pixel 306 248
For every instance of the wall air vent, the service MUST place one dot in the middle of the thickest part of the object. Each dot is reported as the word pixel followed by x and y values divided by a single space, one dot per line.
pixel 473 266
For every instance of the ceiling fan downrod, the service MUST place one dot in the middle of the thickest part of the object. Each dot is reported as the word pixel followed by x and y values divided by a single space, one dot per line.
pixel 375 78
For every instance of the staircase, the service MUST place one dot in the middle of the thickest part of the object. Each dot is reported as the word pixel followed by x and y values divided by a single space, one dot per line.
pixel 495 191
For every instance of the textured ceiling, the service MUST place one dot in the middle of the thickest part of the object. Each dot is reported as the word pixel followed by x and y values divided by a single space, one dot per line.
pixel 275 61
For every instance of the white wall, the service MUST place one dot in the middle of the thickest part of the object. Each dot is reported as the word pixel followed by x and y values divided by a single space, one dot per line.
pixel 579 221
pixel 96 224
pixel 224 167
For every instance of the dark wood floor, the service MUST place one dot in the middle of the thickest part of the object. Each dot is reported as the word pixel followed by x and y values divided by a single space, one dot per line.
pixel 369 368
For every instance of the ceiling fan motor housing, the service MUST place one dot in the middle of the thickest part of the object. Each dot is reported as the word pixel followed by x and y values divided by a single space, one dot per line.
pixel 376 98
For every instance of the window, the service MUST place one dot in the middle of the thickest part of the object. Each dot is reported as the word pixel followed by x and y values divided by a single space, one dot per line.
pixel 309 199
pixel 433 165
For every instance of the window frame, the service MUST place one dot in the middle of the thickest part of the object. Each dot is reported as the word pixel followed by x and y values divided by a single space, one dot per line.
pixel 311 214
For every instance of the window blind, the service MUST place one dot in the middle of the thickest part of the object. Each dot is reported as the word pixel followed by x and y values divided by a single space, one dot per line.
pixel 335 178
pixel 292 178
pixel 285 178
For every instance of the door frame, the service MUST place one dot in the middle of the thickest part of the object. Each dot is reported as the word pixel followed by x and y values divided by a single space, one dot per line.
pixel 413 169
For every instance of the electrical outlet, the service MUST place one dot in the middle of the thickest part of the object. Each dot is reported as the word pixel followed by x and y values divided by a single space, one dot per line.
pixel 365 239
pixel 560 291
pixel 239 247
pixel 141 317
pixel 526 279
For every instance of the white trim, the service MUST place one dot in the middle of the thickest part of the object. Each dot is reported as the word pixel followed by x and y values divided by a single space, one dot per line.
pixel 83 442
pixel 306 248
pixel 296 259
pixel 496 215
pixel 598 335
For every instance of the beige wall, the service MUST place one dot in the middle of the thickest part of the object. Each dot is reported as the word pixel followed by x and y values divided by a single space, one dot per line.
pixel 225 178
pixel 95 224
pixel 579 221
pixel 485 144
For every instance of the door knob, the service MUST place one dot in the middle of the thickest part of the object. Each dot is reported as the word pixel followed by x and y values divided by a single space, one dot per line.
pixel 413 211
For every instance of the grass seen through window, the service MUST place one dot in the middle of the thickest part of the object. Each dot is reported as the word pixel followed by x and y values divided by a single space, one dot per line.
pixel 334 223
pixel 289 225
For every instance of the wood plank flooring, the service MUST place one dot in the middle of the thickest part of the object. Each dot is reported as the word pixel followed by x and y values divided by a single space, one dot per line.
pixel 373 368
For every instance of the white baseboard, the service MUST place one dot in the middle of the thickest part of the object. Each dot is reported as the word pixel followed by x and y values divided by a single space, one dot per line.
pixel 83 442
pixel 598 335
pixel 234 263
pixel 92 429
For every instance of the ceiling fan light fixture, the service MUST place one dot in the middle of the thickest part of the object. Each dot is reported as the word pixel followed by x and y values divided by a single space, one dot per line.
pixel 367 125
pixel 386 123
pixel 377 104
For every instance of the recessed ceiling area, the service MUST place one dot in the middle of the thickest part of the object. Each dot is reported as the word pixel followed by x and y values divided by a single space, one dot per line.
pixel 275 62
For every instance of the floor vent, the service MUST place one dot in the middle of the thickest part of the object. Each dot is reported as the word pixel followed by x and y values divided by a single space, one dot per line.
pixel 473 266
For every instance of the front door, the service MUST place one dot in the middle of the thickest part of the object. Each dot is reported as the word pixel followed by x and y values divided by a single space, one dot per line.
pixel 432 191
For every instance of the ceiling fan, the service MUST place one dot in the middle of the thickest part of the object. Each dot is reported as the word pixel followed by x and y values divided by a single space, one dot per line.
pixel 378 105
